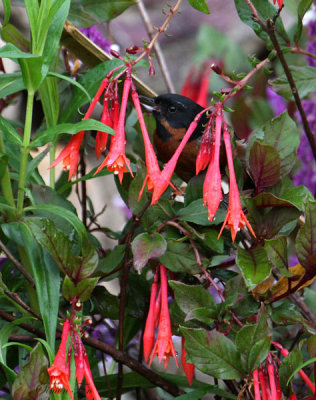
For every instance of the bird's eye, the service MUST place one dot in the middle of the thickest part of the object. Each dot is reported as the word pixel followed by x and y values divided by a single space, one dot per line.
pixel 172 109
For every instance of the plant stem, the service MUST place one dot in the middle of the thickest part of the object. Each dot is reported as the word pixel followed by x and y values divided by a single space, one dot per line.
pixel 25 150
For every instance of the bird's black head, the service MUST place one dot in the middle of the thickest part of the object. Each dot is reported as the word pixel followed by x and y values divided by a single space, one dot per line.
pixel 177 111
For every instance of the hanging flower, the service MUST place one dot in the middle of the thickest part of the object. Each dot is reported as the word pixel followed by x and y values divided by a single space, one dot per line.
pixel 116 161
pixel 188 368
pixel 235 218
pixel 164 347
pixel 59 371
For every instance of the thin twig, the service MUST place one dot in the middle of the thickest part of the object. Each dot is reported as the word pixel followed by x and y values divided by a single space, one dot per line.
pixel 160 57
pixel 17 264
pixel 298 50
pixel 269 28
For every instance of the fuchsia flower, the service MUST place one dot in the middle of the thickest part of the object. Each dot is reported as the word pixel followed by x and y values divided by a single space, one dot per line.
pixel 164 347
pixel 235 218
pixel 59 371
pixel 280 2
pixel 116 161
pixel 188 367
pixel 70 154
pixel 212 188
pixel 149 332
pixel 152 166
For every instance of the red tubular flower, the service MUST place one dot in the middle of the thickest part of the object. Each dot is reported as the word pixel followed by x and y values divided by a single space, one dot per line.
pixel 280 2
pixel 235 218
pixel 149 332
pixel 116 161
pixel 164 347
pixel 204 157
pixel 152 166
pixel 102 137
pixel 255 375
pixel 187 367
pixel 197 88
pixel 264 385
pixel 59 371
pixel 91 390
pixel 212 188
pixel 272 380
pixel 79 351
pixel 70 154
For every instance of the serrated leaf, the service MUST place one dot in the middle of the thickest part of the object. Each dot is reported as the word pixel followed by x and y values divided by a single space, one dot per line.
pixel 265 11
pixel 145 247
pixel 179 257
pixel 50 134
pixel 213 354
pixel 200 5
pixel 32 381
pixel 264 163
pixel 282 133
pixel 254 265
pixel 306 239
pixel 194 301
pixel 289 364
pixel 305 80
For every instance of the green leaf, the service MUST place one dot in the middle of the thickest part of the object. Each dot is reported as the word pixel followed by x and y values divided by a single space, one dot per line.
pixel 45 275
pixel 264 164
pixel 112 260
pixel 179 257
pixel 249 335
pixel 145 247
pixel 214 354
pixel 72 82
pixel 305 80
pixel 277 253
pixel 306 239
pixel 67 215
pixel 81 291
pixel 49 96
pixel 258 353
pixel 13 52
pixel 51 28
pixel 191 298
pixel 212 241
pixel 11 83
pixel 32 380
pixel 265 11
pixel 32 9
pixel 50 135
pixel 10 34
pixel 34 71
pixel 283 134
pixel 303 7
pixel 92 12
pixel 197 213
pixel 199 5
pixel 284 194
pixel 10 133
pixel 254 265
pixel 290 364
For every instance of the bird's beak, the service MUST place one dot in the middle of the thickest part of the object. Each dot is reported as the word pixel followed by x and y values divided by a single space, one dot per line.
pixel 148 103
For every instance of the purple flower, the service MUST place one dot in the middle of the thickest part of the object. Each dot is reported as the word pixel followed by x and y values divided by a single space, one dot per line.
pixel 96 37
pixel 307 174
pixel 276 101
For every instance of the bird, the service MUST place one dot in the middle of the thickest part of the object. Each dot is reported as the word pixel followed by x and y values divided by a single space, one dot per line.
pixel 173 114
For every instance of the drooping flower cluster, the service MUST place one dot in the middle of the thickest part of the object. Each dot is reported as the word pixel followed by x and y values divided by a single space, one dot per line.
pixel 59 372
pixel 158 316
pixel 158 180
pixel 266 380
